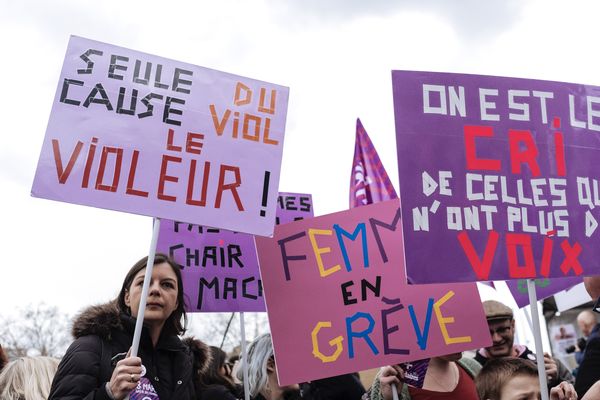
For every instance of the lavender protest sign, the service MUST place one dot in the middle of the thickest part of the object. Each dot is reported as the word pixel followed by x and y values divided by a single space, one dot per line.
pixel 544 288
pixel 139 133
pixel 220 268
pixel 496 176
pixel 338 302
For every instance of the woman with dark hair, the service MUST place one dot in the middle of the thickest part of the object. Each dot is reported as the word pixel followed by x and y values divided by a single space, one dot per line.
pixel 217 383
pixel 98 364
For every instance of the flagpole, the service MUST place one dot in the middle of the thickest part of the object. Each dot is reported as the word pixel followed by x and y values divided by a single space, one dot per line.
pixel 538 339
pixel 144 296
pixel 244 358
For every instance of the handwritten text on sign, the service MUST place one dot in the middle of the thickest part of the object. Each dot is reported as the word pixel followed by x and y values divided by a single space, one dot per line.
pixel 139 133
pixel 504 167
pixel 338 303
pixel 220 268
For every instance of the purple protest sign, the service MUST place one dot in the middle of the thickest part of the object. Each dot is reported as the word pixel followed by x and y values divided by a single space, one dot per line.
pixel 220 268
pixel 134 132
pixel 544 288
pixel 496 176
pixel 293 207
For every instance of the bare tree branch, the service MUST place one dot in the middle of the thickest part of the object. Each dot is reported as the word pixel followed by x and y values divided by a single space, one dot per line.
pixel 40 330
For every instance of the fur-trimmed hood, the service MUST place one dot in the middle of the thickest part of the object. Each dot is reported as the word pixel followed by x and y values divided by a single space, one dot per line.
pixel 104 320
pixel 100 320
pixel 201 353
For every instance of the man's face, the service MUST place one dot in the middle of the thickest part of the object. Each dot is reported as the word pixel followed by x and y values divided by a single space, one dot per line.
pixel 503 336
pixel 585 327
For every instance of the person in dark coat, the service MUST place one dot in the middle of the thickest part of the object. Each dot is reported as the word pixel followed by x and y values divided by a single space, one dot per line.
pixel 589 369
pixel 341 387
pixel 98 365
pixel 217 382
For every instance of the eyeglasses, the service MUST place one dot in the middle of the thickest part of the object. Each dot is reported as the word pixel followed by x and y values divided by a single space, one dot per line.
pixel 500 330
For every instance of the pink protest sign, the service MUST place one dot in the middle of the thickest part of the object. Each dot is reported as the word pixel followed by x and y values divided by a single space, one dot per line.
pixel 134 132
pixel 498 176
pixel 338 302
pixel 220 268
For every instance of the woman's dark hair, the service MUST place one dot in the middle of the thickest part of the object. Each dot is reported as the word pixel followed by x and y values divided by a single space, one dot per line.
pixel 212 376
pixel 173 323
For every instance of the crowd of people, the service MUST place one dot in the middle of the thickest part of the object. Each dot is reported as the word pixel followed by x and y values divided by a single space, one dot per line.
pixel 99 364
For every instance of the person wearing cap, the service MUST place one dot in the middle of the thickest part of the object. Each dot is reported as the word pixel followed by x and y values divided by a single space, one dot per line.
pixel 502 329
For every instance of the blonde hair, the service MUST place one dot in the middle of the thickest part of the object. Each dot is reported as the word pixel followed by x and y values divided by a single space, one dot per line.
pixel 27 378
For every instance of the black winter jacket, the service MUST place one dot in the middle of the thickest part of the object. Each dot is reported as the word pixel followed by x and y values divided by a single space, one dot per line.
pixel 589 369
pixel 342 387
pixel 103 336
pixel 218 392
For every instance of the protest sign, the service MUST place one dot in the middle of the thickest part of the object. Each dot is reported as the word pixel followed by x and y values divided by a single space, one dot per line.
pixel 219 267
pixel 544 288
pixel 338 302
pixel 139 133
pixel 572 297
pixel 496 176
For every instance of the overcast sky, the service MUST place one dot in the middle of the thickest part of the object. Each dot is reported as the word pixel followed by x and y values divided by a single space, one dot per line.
pixel 336 57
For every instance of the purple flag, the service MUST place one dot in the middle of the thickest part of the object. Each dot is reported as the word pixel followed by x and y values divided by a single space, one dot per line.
pixel 369 182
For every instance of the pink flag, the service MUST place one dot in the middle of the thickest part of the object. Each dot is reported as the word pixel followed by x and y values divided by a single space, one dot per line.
pixel 369 182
